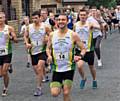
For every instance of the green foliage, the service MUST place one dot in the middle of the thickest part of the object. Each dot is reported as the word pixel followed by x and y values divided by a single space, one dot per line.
pixel 105 3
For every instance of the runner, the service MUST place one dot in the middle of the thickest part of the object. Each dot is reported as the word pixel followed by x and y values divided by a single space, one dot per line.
pixel 97 36
pixel 36 33
pixel 46 20
pixel 61 44
pixel 84 29
pixel 6 35
pixel 23 28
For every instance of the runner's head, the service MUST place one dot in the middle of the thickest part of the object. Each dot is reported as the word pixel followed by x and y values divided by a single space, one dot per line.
pixel 44 14
pixel 2 17
pixel 93 11
pixel 36 17
pixel 26 20
pixel 62 21
pixel 83 15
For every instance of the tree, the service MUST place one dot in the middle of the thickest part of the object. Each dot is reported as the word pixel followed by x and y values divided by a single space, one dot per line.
pixel 118 2
pixel 105 3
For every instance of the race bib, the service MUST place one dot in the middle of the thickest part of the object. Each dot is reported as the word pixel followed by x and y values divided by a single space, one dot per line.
pixel 3 51
pixel 37 43
pixel 62 56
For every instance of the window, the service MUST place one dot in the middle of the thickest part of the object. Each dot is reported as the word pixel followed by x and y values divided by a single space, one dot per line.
pixel 0 2
pixel 74 1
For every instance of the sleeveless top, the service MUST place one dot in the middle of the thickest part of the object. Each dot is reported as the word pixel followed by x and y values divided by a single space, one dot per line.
pixel 5 43
pixel 63 52
pixel 85 35
pixel 37 38
pixel 96 32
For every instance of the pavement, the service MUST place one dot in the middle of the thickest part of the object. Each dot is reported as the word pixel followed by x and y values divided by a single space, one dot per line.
pixel 22 80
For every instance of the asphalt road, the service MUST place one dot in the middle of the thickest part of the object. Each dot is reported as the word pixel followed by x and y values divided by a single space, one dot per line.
pixel 22 83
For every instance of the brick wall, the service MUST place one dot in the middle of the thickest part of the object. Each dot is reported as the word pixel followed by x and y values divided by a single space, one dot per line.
pixel 14 23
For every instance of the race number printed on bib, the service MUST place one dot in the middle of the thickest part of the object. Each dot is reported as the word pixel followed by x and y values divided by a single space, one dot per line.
pixel 37 39
pixel 62 56
pixel 37 43
pixel 2 51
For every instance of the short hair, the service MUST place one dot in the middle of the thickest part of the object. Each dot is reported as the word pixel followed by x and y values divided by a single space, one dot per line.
pixel 44 9
pixel 25 17
pixel 83 10
pixel 36 13
pixel 1 12
pixel 93 7
pixel 63 15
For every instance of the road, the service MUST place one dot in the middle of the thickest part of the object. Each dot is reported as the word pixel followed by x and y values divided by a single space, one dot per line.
pixel 22 83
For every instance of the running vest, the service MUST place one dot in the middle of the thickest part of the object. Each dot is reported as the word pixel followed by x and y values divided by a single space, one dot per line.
pixel 85 35
pixel 96 32
pixel 62 52
pixel 37 38
pixel 5 43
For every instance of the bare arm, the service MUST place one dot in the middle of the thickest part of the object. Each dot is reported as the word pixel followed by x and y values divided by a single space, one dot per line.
pixel 79 43
pixel 48 31
pixel 48 49
pixel 94 25
pixel 13 35
pixel 26 35
pixel 49 45
pixel 74 27
pixel 22 31
pixel 26 38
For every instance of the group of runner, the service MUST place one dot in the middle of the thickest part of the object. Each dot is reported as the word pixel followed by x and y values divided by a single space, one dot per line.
pixel 51 41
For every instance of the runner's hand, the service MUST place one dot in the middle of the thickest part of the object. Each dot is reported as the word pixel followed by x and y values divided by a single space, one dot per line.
pixel 28 46
pixel 15 40
pixel 49 59
pixel 77 58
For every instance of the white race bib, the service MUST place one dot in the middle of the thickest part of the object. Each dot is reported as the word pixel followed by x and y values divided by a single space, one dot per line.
pixel 62 56
pixel 36 43
pixel 3 51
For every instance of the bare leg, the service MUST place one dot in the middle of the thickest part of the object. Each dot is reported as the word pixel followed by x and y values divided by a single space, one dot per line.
pixel 80 64
pixel 66 93
pixel 93 71
pixel 5 75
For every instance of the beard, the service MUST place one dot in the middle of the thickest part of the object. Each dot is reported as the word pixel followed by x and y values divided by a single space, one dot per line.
pixel 62 26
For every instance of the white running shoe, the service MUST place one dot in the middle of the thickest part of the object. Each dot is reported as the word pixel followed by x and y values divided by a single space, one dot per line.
pixel 99 63
pixel 45 79
pixel 5 92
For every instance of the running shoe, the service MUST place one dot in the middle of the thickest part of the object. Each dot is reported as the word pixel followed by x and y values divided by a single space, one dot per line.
pixel 38 92
pixel 28 65
pixel 99 63
pixel 94 84
pixel 10 69
pixel 45 79
pixel 82 84
pixel 5 92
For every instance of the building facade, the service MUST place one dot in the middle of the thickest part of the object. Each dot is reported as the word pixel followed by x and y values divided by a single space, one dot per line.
pixel 16 9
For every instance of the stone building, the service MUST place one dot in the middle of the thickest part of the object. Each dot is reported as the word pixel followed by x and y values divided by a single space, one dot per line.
pixel 16 9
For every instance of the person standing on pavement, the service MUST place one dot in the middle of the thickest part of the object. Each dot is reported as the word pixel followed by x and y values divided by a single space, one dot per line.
pixel 60 51
pixel 7 34
pixel 84 29
pixel 37 32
